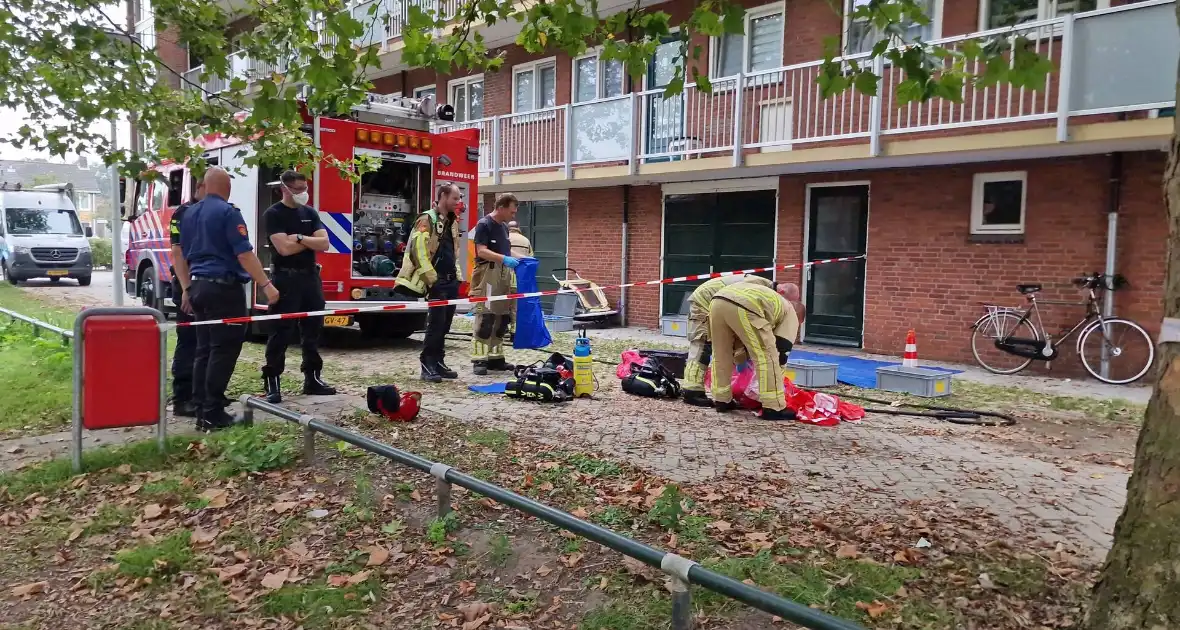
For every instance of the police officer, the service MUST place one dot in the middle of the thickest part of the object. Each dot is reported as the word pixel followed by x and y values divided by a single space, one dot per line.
pixel 430 268
pixel 699 348
pixel 493 274
pixel 766 325
pixel 215 243
pixel 186 336
pixel 296 234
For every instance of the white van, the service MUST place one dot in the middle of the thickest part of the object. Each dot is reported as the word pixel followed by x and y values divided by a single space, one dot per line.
pixel 41 237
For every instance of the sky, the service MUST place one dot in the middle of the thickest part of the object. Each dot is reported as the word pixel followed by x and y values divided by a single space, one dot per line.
pixel 12 119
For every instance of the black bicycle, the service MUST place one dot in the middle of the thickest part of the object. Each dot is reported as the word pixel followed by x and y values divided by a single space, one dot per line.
pixel 1112 349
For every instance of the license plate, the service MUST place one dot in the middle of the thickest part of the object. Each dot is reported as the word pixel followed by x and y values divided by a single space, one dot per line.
pixel 56 272
pixel 337 320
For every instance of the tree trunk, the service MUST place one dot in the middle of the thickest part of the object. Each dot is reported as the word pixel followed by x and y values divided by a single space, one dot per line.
pixel 1139 587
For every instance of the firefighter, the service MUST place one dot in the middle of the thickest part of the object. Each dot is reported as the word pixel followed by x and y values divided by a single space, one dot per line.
pixel 430 268
pixel 215 243
pixel 521 248
pixel 699 349
pixel 492 276
pixel 296 234
pixel 186 336
pixel 762 321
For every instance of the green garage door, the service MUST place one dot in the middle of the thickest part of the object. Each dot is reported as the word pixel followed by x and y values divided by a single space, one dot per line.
pixel 544 223
pixel 715 232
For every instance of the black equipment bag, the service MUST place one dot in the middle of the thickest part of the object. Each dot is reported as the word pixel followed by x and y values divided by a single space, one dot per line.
pixel 651 379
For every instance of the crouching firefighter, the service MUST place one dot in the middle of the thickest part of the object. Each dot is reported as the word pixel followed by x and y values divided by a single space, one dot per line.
pixel 766 324
pixel 699 348
pixel 492 276
pixel 430 269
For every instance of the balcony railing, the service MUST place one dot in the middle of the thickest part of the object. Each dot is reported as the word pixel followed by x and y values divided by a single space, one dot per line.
pixel 1104 61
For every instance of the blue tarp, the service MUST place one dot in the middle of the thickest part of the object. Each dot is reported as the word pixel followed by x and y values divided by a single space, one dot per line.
pixel 854 370
pixel 494 388
pixel 531 333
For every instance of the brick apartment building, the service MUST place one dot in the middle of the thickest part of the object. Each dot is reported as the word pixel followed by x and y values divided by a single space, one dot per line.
pixel 953 203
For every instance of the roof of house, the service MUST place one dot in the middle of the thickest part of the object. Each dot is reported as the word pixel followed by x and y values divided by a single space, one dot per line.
pixel 29 173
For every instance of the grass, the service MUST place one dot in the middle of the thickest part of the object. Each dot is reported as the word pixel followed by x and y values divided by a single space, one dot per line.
pixel 316 605
pixel 498 441
pixel 500 551
pixel 160 560
pixel 37 373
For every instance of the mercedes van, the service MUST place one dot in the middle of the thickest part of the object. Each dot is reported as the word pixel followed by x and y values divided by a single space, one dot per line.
pixel 41 236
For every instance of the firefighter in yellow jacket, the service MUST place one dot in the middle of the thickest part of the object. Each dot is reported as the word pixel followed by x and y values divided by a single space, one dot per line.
pixel 763 322
pixel 699 348
pixel 431 269
pixel 521 248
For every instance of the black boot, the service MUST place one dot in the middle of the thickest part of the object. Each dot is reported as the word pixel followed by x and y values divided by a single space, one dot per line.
pixel 724 407
pixel 697 399
pixel 273 389
pixel 313 385
pixel 479 368
pixel 771 414
pixel 184 409
pixel 215 421
pixel 498 364
pixel 444 371
pixel 430 372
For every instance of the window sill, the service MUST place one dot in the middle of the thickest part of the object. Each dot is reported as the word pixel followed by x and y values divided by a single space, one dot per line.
pixel 1000 238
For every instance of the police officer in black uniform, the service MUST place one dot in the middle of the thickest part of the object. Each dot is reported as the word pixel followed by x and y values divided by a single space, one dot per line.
pixel 186 336
pixel 216 244
pixel 296 233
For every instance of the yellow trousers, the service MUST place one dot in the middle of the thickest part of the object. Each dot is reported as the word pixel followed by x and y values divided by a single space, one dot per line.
pixel 492 319
pixel 730 326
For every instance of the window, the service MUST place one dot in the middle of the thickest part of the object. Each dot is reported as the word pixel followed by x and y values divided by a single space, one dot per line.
pixel 534 86
pixel 998 202
pixel 1005 13
pixel 862 36
pixel 423 91
pixel 760 48
pixel 176 188
pixel 467 98
pixel 595 78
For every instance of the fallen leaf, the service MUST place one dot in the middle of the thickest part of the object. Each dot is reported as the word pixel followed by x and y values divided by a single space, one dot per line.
pixel 985 582
pixel 359 577
pixel 474 625
pixel 378 555
pixel 721 526
pixel 230 572
pixel 27 590
pixel 875 609
pixel 415 495
pixel 847 552
pixel 572 560
pixel 474 610
pixel 283 507
pixel 217 497
pixel 337 580
pixel 466 588
pixel 74 534
pixel 125 469
pixel 275 580
pixel 203 536
pixel 152 510
pixel 16 449
pixel 544 570
pixel 639 568
pixel 580 513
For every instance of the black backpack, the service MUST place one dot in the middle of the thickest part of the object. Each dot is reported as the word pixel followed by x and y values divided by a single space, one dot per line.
pixel 652 380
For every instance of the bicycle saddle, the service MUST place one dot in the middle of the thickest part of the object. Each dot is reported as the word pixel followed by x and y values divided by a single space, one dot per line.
pixel 1028 289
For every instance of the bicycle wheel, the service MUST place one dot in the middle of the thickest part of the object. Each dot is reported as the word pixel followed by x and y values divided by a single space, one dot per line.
pixel 1128 350
pixel 1000 325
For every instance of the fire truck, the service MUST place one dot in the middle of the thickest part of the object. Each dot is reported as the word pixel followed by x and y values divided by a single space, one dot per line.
pixel 368 223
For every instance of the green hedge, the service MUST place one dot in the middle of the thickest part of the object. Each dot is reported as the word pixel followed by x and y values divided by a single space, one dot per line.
pixel 100 251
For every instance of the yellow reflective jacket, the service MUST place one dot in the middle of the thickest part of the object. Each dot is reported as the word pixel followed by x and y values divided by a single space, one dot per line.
pixel 703 294
pixel 765 304
pixel 417 273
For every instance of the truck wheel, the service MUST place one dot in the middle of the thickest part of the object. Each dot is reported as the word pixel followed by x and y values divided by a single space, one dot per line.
pixel 84 281
pixel 148 293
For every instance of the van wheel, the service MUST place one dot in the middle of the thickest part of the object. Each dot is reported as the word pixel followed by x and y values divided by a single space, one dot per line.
pixel 55 280
pixel 84 281
pixel 11 278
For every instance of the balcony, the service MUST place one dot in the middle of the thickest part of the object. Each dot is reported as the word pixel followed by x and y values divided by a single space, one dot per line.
pixel 1106 62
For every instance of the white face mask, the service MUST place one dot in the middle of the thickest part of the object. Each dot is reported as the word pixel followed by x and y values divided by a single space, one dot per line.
pixel 300 198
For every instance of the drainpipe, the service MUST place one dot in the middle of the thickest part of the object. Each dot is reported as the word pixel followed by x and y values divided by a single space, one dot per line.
pixel 1112 226
pixel 623 261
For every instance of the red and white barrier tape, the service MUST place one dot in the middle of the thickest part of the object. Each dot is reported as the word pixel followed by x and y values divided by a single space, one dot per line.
pixel 422 305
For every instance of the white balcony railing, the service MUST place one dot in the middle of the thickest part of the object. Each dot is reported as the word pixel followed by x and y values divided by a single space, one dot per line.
pixel 782 108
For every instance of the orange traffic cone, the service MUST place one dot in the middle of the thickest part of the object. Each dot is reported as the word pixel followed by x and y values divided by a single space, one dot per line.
pixel 910 358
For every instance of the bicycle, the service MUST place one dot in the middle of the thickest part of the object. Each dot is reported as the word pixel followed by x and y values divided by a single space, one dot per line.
pixel 1007 331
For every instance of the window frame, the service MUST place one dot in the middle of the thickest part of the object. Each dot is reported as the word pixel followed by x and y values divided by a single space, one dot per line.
pixel 979 180
pixel 715 43
pixel 600 83
pixel 985 9
pixel 935 25
pixel 422 88
pixel 533 66
pixel 466 82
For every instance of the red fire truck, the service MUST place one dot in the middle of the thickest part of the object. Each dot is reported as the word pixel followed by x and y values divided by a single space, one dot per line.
pixel 368 223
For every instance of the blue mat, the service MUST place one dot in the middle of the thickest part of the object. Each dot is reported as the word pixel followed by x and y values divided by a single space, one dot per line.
pixel 494 388
pixel 854 370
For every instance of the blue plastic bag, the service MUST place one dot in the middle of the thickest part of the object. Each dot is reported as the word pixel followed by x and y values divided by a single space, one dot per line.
pixel 531 332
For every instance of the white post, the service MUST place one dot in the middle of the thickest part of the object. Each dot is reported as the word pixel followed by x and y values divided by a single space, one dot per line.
pixel 1063 81
pixel 875 105
pixel 738 92
pixel 116 222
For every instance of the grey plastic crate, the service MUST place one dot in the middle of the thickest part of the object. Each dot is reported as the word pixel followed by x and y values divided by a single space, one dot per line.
pixel 917 381
pixel 806 373
pixel 559 324
pixel 674 325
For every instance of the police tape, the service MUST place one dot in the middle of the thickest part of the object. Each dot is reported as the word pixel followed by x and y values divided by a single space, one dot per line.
pixel 423 305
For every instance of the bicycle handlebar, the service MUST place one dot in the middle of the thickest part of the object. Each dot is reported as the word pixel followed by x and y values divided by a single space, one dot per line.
pixel 1097 281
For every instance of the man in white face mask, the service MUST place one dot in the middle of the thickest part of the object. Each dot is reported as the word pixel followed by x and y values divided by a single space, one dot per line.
pixel 296 234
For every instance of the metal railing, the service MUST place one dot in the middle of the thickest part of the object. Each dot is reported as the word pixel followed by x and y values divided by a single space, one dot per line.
pixel 682 571
pixel 38 325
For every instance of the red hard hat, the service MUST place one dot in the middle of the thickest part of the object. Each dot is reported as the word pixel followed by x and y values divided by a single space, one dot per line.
pixel 411 403
pixel 399 407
